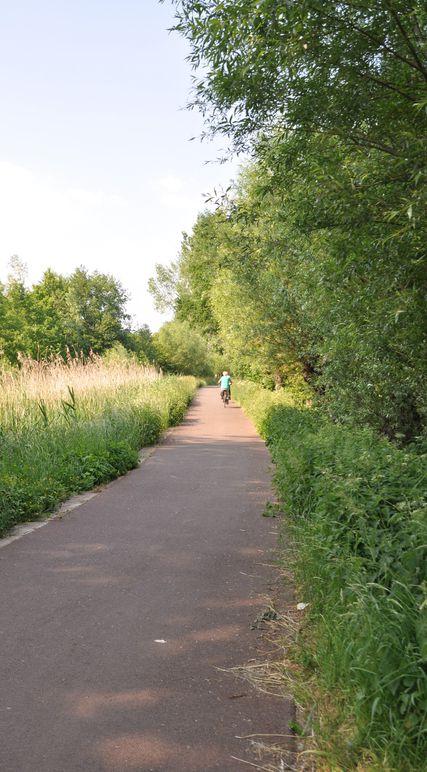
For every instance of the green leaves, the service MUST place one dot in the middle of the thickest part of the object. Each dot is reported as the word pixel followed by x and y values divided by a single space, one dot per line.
pixel 355 517
pixel 355 71
pixel 81 312
pixel 301 271
pixel 180 349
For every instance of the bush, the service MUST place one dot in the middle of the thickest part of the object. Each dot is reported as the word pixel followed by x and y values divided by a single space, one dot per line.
pixel 357 517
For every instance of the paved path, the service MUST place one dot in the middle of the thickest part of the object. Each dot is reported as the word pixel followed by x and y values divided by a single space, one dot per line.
pixel 175 551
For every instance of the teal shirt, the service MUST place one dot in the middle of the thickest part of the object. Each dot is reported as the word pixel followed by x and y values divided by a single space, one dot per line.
pixel 225 382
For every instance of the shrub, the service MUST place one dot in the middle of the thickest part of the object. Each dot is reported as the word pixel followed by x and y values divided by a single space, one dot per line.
pixel 357 517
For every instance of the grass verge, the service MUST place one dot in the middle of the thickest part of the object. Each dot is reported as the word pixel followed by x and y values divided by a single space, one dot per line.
pixel 356 517
pixel 65 428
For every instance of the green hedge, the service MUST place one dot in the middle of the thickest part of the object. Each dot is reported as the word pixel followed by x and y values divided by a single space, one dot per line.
pixel 356 513
pixel 43 464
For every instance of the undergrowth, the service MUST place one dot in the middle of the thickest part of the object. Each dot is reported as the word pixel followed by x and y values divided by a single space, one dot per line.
pixel 355 515
pixel 66 428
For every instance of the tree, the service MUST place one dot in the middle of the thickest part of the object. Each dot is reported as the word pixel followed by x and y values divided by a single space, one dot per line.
pixel 301 279
pixel 81 312
pixel 47 316
pixel 180 349
pixel 95 310
pixel 353 69
pixel 163 286
pixel 283 72
pixel 318 263
pixel 15 332
pixel 140 341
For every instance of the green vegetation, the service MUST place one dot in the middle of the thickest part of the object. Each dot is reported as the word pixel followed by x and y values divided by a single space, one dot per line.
pixel 355 509
pixel 68 427
pixel 180 349
pixel 81 312
pixel 313 263
pixel 308 275
pixel 280 295
pixel 85 313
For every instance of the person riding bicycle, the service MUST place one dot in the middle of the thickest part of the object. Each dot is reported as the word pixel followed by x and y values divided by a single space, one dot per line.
pixel 225 384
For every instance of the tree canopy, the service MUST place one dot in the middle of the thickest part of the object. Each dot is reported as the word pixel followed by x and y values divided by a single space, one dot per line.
pixel 313 266
pixel 82 312
pixel 180 349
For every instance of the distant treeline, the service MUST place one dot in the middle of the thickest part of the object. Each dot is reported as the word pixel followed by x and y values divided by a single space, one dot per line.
pixel 79 312
pixel 83 313
pixel 313 265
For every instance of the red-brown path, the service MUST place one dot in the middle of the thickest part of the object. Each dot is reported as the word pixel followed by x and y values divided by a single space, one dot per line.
pixel 175 551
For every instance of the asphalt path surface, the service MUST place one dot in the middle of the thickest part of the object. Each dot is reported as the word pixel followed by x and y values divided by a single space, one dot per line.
pixel 119 620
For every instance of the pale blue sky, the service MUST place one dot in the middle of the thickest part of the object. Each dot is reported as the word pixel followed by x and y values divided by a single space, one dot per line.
pixel 96 166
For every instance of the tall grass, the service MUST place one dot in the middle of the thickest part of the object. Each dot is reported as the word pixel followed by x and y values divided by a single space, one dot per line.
pixel 355 509
pixel 67 426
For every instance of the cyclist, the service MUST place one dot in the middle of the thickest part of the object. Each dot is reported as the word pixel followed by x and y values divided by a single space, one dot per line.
pixel 225 384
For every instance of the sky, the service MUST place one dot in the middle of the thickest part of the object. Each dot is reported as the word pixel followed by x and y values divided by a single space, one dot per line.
pixel 96 163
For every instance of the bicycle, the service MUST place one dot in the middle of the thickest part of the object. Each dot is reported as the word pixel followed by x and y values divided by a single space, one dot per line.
pixel 225 396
